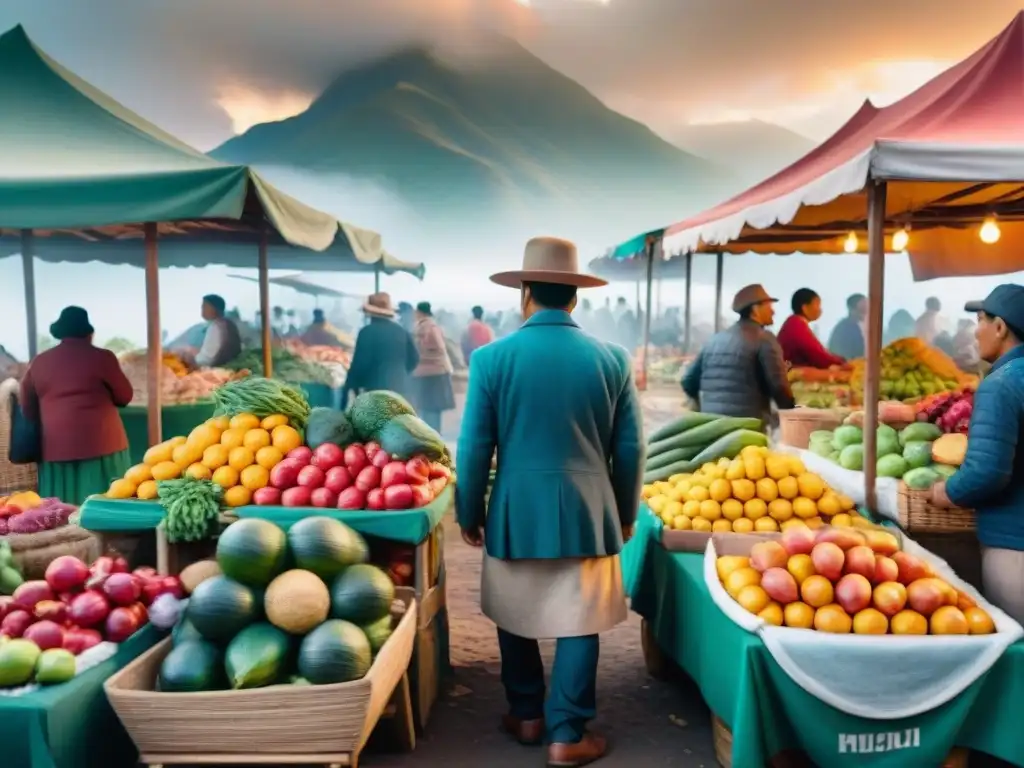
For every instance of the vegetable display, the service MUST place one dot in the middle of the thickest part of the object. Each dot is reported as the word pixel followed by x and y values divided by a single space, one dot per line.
pixel 695 439
pixel 26 512
pixel 910 370
pixel 262 397
pixel 842 582
pixel 292 627
pixel 191 506
pixel 757 491
pixel 287 367
pixel 177 385
pixel 817 388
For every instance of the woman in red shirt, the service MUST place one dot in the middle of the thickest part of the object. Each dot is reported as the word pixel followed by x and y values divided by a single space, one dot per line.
pixel 800 346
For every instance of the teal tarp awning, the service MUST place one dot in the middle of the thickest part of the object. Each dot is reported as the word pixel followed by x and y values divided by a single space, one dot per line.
pixel 635 246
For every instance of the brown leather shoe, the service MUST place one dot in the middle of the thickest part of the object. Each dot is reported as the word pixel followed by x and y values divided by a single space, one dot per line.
pixel 590 748
pixel 529 733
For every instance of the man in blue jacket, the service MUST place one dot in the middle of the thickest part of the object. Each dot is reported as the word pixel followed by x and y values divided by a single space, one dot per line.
pixel 561 409
pixel 991 480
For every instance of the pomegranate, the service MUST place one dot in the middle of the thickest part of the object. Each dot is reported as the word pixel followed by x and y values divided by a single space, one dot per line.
pixel 89 609
pixel 66 573
pixel 122 588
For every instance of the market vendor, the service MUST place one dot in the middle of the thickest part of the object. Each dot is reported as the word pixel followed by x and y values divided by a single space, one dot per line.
pixel 800 347
pixel 222 342
pixel 991 478
pixel 741 371
pixel 318 334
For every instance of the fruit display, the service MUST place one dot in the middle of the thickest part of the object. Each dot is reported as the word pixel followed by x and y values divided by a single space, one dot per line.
pixel 949 411
pixel 335 359
pixel 822 388
pixel 759 491
pixel 73 609
pixel 908 454
pixel 178 386
pixel 844 581
pixel 911 369
pixel 26 512
pixel 301 608
pixel 695 439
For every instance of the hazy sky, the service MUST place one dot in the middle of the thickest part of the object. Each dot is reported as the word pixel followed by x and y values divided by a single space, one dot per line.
pixel 204 69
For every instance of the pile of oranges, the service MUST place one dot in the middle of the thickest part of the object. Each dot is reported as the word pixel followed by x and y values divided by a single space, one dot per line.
pixel 237 454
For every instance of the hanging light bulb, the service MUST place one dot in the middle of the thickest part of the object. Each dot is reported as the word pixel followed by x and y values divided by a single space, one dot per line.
pixel 850 244
pixel 900 240
pixel 990 232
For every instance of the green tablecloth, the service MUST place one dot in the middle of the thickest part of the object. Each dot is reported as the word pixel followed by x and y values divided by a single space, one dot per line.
pixel 769 713
pixel 175 420
pixel 411 526
pixel 71 725
pixel 123 515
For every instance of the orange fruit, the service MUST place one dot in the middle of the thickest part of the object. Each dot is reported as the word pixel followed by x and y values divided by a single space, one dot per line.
pixel 215 457
pixel 237 496
pixel 268 456
pixel 832 618
pixel 743 525
pixel 232 438
pixel 870 621
pixel 186 454
pixel 276 420
pixel 817 591
pixel 285 438
pixel 772 614
pixel 204 436
pixel 740 578
pixel 948 620
pixel 753 598
pixel 147 491
pixel 978 620
pixel 226 477
pixel 240 458
pixel 798 615
pixel 245 422
pixel 908 623
pixel 199 472
pixel 255 439
pixel 254 477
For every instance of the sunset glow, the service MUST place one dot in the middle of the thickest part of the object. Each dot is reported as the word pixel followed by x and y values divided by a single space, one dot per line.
pixel 247 106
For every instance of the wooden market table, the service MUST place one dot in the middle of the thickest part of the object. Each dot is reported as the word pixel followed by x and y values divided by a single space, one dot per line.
pixel 71 725
pixel 767 713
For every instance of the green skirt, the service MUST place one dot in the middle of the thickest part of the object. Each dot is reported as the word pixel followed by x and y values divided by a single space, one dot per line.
pixel 74 481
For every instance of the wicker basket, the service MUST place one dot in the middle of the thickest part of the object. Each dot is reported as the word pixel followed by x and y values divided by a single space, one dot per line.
pixel 313 724
pixel 919 515
pixel 796 424
pixel 34 551
pixel 13 477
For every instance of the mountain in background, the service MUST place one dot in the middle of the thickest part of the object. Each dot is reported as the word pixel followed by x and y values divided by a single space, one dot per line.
pixel 482 144
pixel 752 149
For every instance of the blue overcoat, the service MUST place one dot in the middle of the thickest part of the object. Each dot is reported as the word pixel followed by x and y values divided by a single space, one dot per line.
pixel 562 411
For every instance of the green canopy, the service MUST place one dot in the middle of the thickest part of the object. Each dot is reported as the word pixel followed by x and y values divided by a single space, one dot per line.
pixel 85 173
pixel 635 246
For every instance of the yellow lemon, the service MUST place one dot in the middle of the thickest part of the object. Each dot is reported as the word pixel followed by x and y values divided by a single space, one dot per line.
pixel 240 458
pixel 682 523
pixel 121 489
pixel 699 493
pixel 804 508
pixel 776 466
pixel 255 439
pixel 245 422
pixel 237 496
pixel 753 598
pixel 796 466
pixel 204 436
pixel 139 474
pixel 743 490
pixel 220 422
pixel 755 509
pixel 683 489
pixel 647 492
pixel 268 456
pixel 158 453
pixel 793 522
pixel 772 614
pixel 721 526
pixel 735 471
pixel 710 510
pixel 673 493
pixel 657 504
pixel 215 457
pixel 829 504
pixel 740 578
pixel 708 469
pixel 780 509
pixel 186 454
pixel 691 508
pixel 765 525
pixel 285 438
pixel 226 477
pixel 815 523
pixel 720 490
pixel 276 420
pixel 678 478
pixel 789 488
pixel 255 477
pixel 672 510
pixel 147 490
pixel 811 486
pixel 732 509
pixel 174 442
pixel 199 472
pixel 700 479
pixel 846 503
pixel 743 525
pixel 232 438
pixel 166 470
pixel 753 464
pixel 701 525
pixel 767 490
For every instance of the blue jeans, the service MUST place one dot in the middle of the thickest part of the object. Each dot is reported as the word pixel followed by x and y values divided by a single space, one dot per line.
pixel 572 701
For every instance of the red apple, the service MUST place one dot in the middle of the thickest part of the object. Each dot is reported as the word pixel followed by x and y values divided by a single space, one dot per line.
pixel 422 496
pixel 79 640
pixel 338 479
pixel 122 589
pixel 16 622
pixel 121 624
pixel 925 596
pixel 380 459
pixel 311 477
pixel 368 478
pixel 268 496
pixel 393 473
pixel 66 573
pixel 88 609
pixel 375 499
pixel 303 454
pixel 371 449
pixel 46 634
pixel 31 592
pixel 53 610
pixel 285 475
pixel 324 498
pixel 327 456
pixel 352 498
pixel 296 497
pixel 355 458
pixel 417 469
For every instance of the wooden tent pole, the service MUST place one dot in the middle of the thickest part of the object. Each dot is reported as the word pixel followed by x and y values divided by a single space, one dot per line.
pixel 719 273
pixel 264 269
pixel 689 310
pixel 873 342
pixel 376 277
pixel 28 270
pixel 154 339
pixel 651 246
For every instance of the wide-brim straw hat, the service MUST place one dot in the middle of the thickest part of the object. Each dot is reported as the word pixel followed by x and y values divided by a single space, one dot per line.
pixel 379 305
pixel 749 296
pixel 549 260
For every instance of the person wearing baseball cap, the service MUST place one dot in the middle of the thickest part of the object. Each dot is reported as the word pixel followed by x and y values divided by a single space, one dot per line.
pixel 991 478
pixel 741 370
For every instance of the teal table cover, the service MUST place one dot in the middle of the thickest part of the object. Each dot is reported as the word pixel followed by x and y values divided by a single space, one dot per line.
pixel 175 420
pixel 99 514
pixel 72 725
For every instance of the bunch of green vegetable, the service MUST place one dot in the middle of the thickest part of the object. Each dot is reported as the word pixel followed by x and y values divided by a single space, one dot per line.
pixel 10 575
pixel 287 367
pixel 262 397
pixel 190 507
pixel 694 439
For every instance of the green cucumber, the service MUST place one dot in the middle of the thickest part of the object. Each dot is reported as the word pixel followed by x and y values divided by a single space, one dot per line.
pixel 706 434
pixel 671 457
pixel 687 421
pixel 729 446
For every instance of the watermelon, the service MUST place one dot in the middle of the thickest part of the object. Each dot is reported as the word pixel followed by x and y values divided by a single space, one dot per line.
pixel 183 632
pixel 378 633
pixel 335 652
pixel 362 594
pixel 325 546
pixel 252 551
pixel 220 608
pixel 257 656
pixel 193 665
pixel 18 660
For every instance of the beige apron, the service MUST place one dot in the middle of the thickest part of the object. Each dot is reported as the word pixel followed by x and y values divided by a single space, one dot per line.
pixel 545 599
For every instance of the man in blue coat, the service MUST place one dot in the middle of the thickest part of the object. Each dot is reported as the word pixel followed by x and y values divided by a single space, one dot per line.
pixel 991 479
pixel 561 409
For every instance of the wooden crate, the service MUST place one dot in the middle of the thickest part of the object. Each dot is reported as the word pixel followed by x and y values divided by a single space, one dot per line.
pixel 280 724
pixel 426 669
